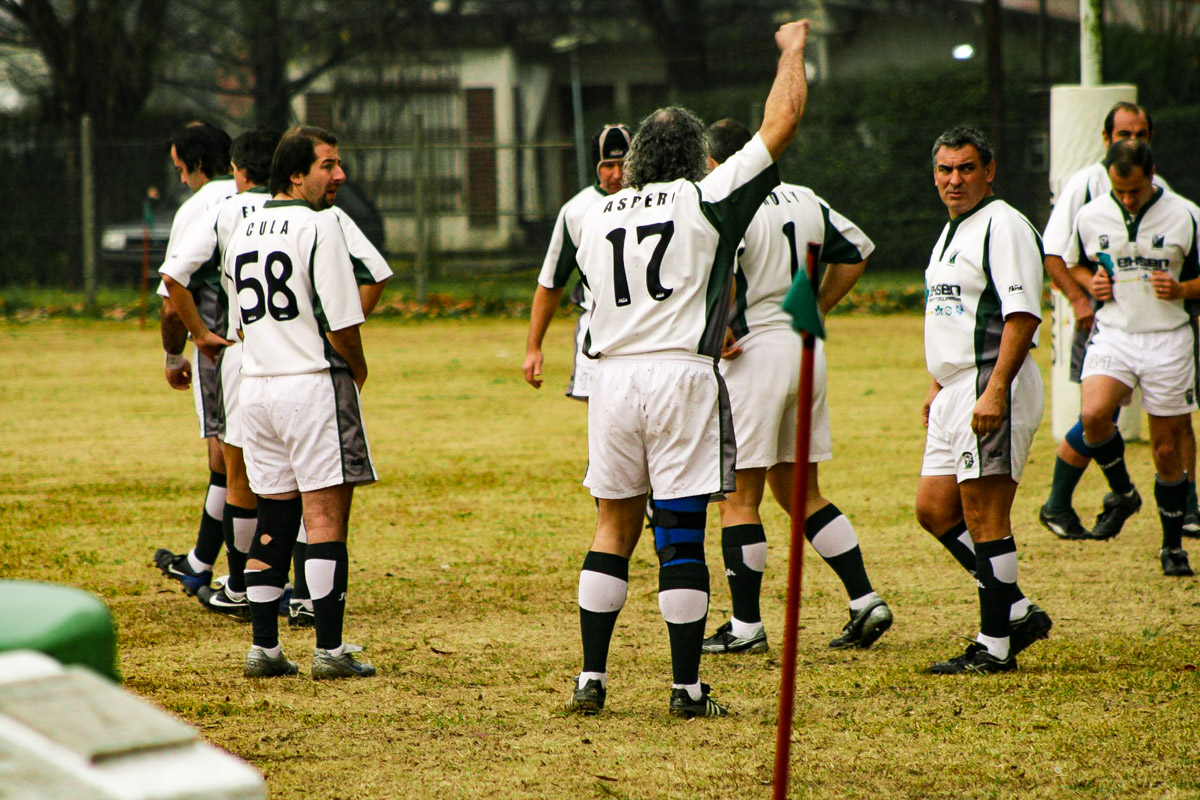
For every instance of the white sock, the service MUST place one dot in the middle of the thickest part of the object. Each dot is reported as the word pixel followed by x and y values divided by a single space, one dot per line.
pixel 196 564
pixel 273 652
pixel 1019 608
pixel 584 677
pixel 859 603
pixel 998 647
pixel 744 630
pixel 693 689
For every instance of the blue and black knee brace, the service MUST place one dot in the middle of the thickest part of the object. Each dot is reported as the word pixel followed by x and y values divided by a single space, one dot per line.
pixel 679 530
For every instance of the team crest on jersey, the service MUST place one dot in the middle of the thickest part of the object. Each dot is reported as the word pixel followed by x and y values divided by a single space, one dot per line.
pixel 1103 242
pixel 1157 241
pixel 953 256
pixel 968 459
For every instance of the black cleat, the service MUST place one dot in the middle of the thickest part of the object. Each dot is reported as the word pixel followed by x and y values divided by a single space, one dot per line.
pixel 1117 509
pixel 589 700
pixel 723 641
pixel 865 627
pixel 218 601
pixel 977 660
pixel 176 567
pixel 1036 624
pixel 1175 562
pixel 300 615
pixel 1064 525
pixel 1191 523
pixel 682 704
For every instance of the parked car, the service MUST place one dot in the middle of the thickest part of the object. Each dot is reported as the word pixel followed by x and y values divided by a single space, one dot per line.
pixel 122 245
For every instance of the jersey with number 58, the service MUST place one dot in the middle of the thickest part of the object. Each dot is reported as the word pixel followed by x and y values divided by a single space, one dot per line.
pixel 294 281
pixel 658 259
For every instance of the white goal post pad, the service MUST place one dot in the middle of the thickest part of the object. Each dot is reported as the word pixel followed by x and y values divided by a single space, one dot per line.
pixel 1076 122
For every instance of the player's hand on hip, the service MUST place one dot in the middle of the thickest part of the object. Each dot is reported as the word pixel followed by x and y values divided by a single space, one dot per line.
pixel 793 35
pixel 1085 315
pixel 533 368
pixel 1101 285
pixel 988 413
pixel 181 377
pixel 211 345
pixel 730 348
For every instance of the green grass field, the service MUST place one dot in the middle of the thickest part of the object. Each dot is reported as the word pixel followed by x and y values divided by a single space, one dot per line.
pixel 464 563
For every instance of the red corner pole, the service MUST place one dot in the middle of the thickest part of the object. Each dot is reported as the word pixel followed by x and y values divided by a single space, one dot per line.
pixel 791 619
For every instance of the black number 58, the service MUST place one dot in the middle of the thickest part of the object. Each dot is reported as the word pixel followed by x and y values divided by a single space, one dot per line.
pixel 266 301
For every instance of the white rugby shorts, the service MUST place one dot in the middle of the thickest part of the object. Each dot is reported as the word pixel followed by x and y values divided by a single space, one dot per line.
pixel 304 432
pixel 659 421
pixel 1162 363
pixel 582 368
pixel 230 366
pixel 763 385
pixel 952 448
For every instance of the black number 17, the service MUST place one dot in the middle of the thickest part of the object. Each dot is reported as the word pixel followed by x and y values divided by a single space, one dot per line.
pixel 664 231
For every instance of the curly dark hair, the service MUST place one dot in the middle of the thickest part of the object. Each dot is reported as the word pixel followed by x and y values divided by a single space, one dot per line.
pixel 960 136
pixel 670 144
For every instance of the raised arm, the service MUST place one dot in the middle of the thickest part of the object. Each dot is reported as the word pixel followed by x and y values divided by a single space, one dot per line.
pixel 789 93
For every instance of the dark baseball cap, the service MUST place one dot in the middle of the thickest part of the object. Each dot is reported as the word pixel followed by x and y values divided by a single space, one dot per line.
pixel 611 143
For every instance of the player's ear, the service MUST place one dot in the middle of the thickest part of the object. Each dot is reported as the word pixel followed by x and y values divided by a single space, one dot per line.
pixel 990 171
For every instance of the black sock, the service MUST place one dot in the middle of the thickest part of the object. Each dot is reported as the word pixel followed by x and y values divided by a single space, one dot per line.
pixel 745 581
pixel 211 535
pixel 683 600
pixel 960 546
pixel 995 591
pixel 299 578
pixel 235 555
pixel 263 590
pixel 327 568
pixel 1110 455
pixel 603 585
pixel 1062 486
pixel 1171 499
pixel 278 522
pixel 848 564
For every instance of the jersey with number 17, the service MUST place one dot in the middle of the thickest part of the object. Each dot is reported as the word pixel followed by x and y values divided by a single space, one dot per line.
pixel 658 259
pixel 295 282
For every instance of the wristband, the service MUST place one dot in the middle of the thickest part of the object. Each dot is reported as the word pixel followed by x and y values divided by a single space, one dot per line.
pixel 176 361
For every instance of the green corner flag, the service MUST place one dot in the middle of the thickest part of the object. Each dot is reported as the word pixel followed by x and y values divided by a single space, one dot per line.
pixel 801 303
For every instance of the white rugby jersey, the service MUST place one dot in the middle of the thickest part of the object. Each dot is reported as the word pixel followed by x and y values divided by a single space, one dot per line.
pixel 1162 238
pixel 369 264
pixel 658 260
pixel 1080 189
pixel 295 282
pixel 203 245
pixel 986 265
pixel 196 210
pixel 774 251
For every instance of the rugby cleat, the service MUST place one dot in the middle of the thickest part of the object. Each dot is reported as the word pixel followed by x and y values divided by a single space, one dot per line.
pixel 176 567
pixel 1064 524
pixel 588 699
pixel 259 664
pixel 865 627
pixel 682 705
pixel 300 615
pixel 723 641
pixel 285 602
pixel 1191 523
pixel 326 666
pixel 1175 562
pixel 218 601
pixel 977 661
pixel 1117 509
pixel 1036 624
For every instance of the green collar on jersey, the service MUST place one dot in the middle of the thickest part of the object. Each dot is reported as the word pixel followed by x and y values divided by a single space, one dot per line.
pixel 226 177
pixel 282 203
pixel 1132 223
pixel 259 189
pixel 954 223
